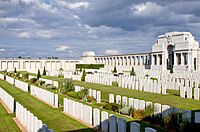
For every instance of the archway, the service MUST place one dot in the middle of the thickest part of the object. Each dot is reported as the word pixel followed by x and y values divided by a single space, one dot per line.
pixel 170 60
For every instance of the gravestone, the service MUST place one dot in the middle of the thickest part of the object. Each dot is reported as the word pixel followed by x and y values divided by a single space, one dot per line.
pixel 121 125
pixel 135 127
pixel 104 121
pixel 186 115
pixel 113 124
pixel 111 98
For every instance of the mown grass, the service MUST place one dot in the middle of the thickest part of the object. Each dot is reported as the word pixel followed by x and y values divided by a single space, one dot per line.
pixel 6 122
pixel 54 118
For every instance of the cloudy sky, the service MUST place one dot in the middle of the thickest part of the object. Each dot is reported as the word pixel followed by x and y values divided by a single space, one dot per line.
pixel 66 28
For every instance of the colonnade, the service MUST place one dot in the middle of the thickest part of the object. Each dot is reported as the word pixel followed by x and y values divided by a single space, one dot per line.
pixel 125 60
pixel 38 64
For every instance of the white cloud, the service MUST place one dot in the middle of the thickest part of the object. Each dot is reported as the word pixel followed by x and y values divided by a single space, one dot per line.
pixel 2 50
pixel 146 9
pixel 62 48
pixel 24 35
pixel 78 5
pixel 112 52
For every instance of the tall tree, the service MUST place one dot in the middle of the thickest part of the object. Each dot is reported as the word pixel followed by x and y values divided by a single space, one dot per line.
pixel 15 71
pixel 132 72
pixel 38 74
pixel 115 70
pixel 44 71
pixel 83 75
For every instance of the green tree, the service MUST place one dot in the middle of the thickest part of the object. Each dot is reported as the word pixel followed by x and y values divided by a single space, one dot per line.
pixel 38 74
pixel 132 72
pixel 44 71
pixel 83 76
pixel 15 71
pixel 67 86
pixel 115 70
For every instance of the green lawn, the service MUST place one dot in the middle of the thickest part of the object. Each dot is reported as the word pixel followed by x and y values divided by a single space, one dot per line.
pixel 6 122
pixel 54 118
pixel 171 99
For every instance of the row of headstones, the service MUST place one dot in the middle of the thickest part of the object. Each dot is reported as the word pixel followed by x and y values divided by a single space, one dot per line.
pixel 162 110
pixel 100 120
pixel 188 92
pixel 74 77
pixel 1 76
pixel 7 99
pixel 30 122
pixel 98 80
pixel 92 93
pixel 130 102
pixel 10 80
pixel 21 85
pixel 47 81
pixel 44 95
pixel 144 85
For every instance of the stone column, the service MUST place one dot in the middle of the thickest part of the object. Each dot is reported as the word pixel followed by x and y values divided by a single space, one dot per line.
pixel 132 60
pixel 175 59
pixel 136 60
pixel 182 59
pixel 152 59
pixel 141 60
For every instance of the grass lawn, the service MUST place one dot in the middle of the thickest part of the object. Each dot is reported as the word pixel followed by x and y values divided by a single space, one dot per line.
pixel 6 122
pixel 54 118
pixel 171 99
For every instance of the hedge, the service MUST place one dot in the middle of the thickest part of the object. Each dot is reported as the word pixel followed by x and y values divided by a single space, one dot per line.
pixel 89 66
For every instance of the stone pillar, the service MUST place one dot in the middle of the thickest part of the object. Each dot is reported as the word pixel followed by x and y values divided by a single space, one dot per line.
pixel 152 59
pixel 175 59
pixel 136 60
pixel 182 59
pixel 132 61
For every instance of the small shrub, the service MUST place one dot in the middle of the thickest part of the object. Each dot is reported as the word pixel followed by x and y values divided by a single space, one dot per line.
pixel 137 114
pixel 73 95
pixel 68 86
pixel 17 74
pixel 89 72
pixel 112 106
pixel 33 80
pixel 40 83
pixel 125 111
pixel 25 75
pixel 50 86
pixel 83 93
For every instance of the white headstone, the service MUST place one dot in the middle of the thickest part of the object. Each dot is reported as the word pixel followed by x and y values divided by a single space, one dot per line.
pixel 111 98
pixel 197 117
pixel 113 124
pixel 104 121
pixel 148 129
pixel 121 125
pixel 96 118
pixel 135 127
